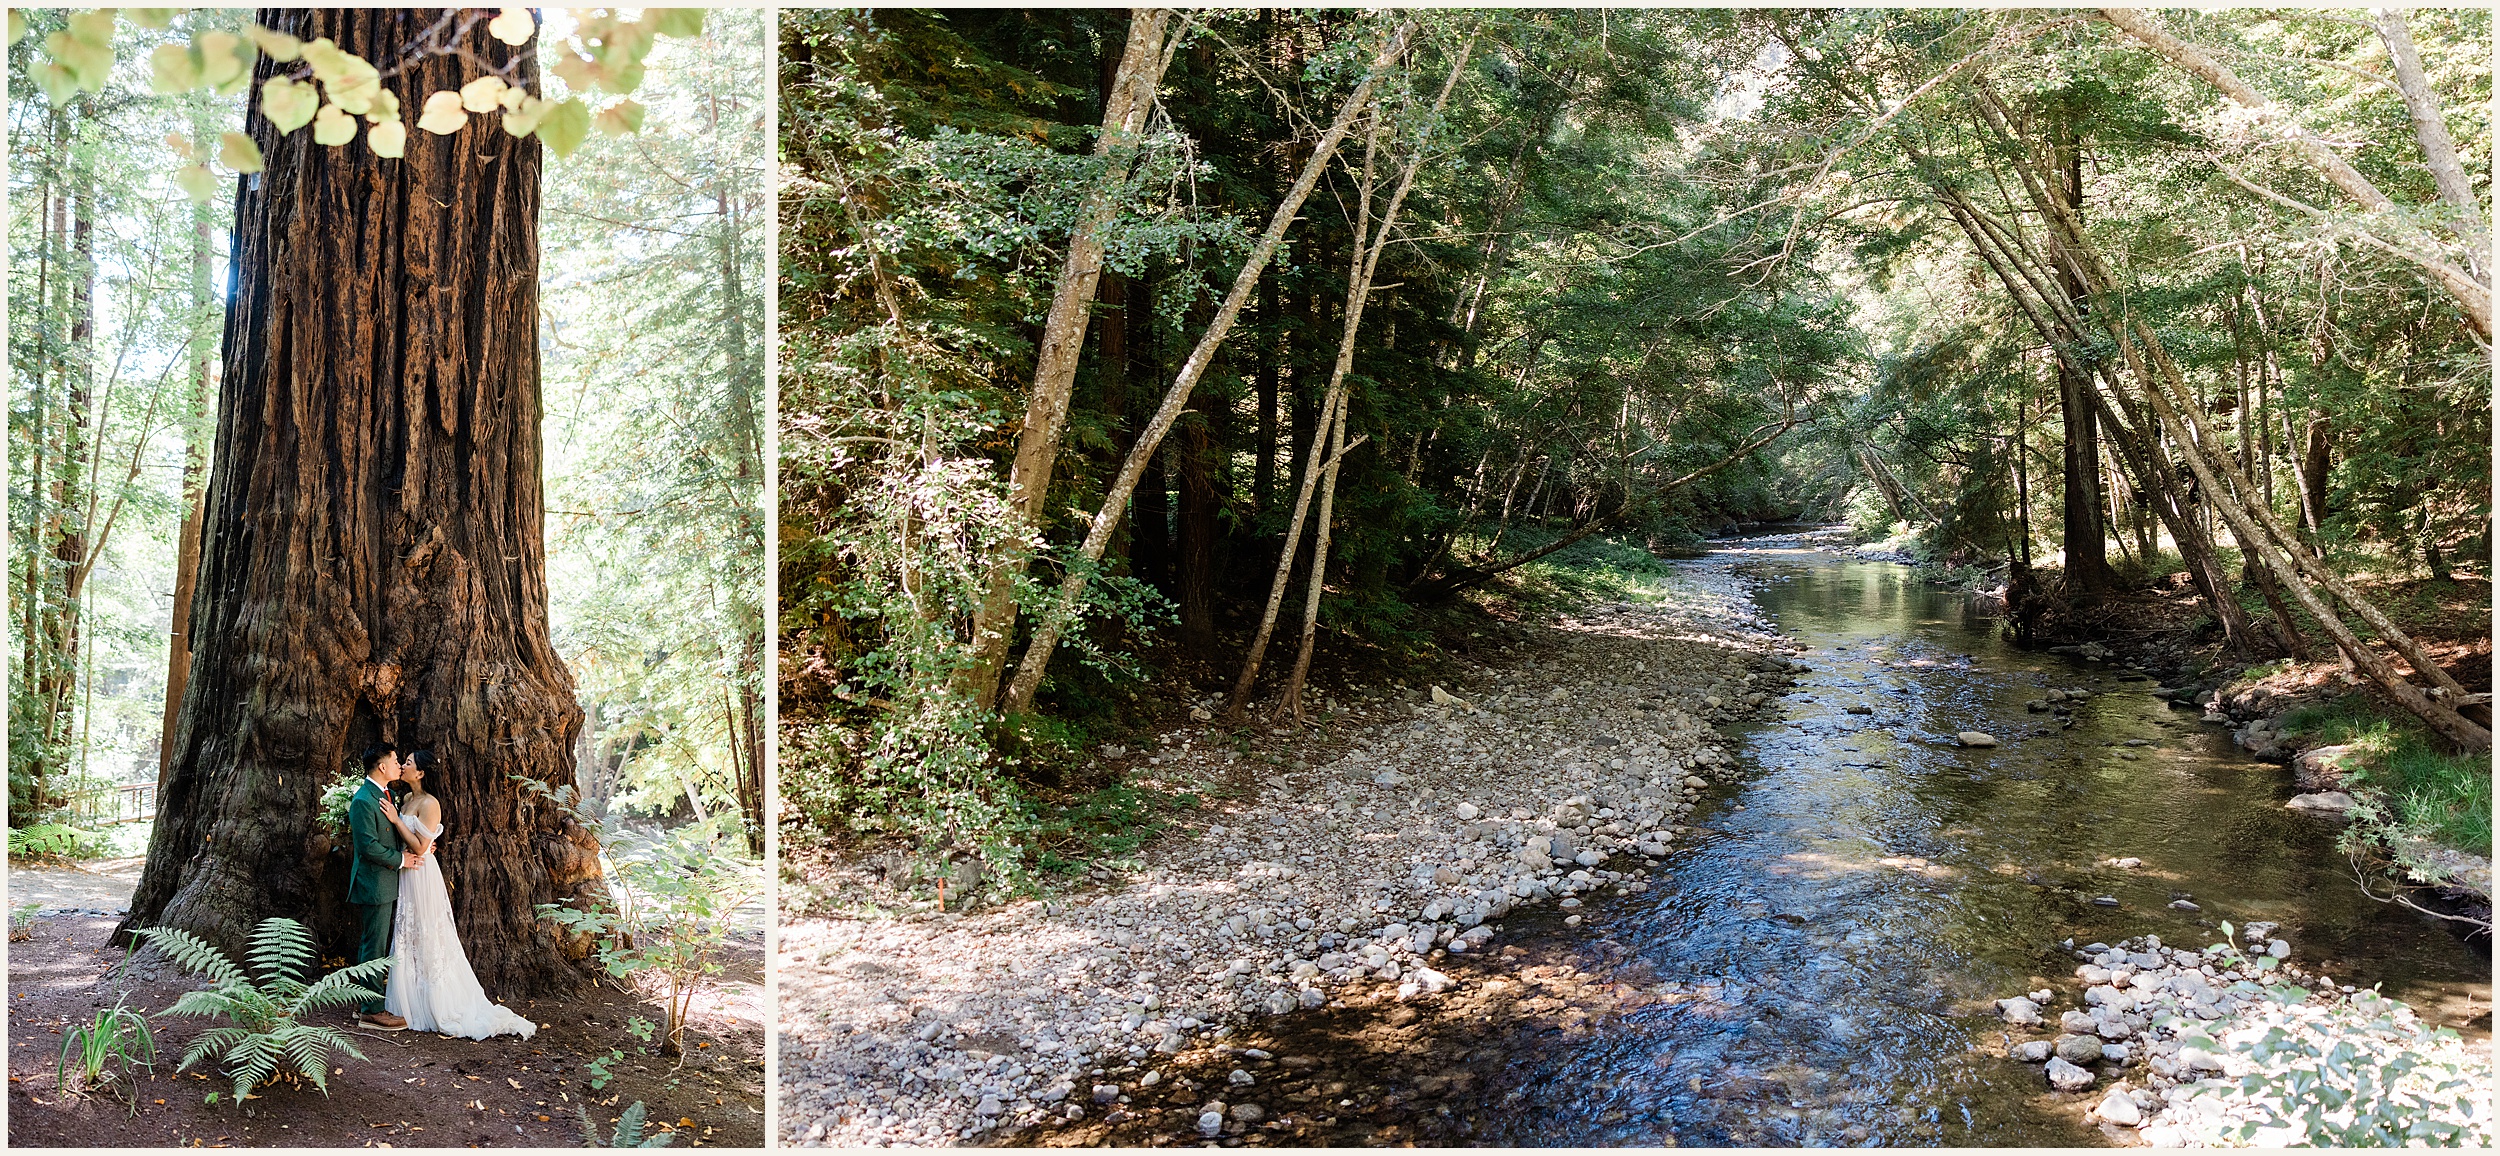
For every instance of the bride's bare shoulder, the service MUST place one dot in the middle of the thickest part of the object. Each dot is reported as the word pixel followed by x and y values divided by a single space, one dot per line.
pixel 430 809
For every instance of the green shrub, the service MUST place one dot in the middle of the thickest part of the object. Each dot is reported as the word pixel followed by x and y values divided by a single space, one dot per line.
pixel 2360 1072
pixel 55 841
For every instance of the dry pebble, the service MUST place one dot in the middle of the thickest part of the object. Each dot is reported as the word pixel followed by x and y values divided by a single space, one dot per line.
pixel 1548 777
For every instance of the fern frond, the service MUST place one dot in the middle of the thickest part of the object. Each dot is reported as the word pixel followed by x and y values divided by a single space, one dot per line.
pixel 211 1044
pixel 340 987
pixel 629 1127
pixel 252 1061
pixel 193 954
pixel 282 949
pixel 337 1039
pixel 310 1052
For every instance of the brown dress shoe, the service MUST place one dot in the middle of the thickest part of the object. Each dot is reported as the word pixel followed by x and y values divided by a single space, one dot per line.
pixel 382 1021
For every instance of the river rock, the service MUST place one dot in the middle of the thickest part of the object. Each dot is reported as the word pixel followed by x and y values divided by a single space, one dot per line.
pixel 1861 709
pixel 1106 1093
pixel 1210 1123
pixel 2119 1108
pixel 1975 739
pixel 2018 1010
pixel 1248 1113
pixel 1467 812
pixel 2327 803
pixel 2077 1049
pixel 2033 1051
pixel 1534 859
pixel 2063 1076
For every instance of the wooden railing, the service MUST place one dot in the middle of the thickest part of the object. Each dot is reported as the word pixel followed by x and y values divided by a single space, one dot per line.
pixel 107 805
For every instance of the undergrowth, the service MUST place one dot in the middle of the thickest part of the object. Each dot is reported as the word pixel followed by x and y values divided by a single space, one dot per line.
pixel 2445 797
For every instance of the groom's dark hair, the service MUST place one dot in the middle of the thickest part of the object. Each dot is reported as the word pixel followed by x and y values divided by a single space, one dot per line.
pixel 373 754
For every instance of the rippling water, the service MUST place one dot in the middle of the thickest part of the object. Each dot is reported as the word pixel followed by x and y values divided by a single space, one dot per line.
pixel 1827 996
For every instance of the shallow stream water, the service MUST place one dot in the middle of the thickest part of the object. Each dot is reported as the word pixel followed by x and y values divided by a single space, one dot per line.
pixel 1817 962
pixel 1859 989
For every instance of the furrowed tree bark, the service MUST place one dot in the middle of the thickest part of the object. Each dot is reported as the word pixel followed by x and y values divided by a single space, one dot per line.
pixel 1063 343
pixel 373 564
pixel 2471 290
pixel 1046 633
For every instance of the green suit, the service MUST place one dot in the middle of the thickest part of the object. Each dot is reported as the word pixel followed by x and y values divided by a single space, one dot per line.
pixel 372 881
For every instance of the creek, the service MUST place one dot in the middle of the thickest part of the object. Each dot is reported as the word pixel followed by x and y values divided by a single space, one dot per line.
pixel 1816 963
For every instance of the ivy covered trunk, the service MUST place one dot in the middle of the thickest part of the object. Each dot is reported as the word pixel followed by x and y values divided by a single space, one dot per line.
pixel 372 564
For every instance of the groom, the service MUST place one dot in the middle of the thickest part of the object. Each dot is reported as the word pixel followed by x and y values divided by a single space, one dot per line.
pixel 373 874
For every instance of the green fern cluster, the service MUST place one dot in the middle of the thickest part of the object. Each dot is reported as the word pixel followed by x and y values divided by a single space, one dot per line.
pixel 267 1029
pixel 628 1131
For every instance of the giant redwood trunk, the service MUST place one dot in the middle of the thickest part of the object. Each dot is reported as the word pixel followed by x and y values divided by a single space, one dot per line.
pixel 372 564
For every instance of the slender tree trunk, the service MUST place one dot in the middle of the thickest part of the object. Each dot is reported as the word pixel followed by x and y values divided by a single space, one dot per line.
pixel 1046 633
pixel 197 424
pixel 1195 454
pixel 2314 462
pixel 2430 129
pixel 1063 342
pixel 373 563
pixel 1317 579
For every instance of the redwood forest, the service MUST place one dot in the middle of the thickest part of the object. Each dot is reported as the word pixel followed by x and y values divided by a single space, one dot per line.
pixel 386 378
pixel 1622 576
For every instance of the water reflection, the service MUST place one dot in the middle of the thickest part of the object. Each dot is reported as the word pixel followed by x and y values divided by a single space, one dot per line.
pixel 1831 946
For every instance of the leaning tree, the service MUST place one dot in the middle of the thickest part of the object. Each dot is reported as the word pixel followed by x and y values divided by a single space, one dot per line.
pixel 372 564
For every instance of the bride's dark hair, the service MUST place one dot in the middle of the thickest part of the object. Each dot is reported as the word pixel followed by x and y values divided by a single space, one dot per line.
pixel 424 761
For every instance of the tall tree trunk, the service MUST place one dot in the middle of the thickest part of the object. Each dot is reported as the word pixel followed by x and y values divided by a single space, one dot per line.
pixel 745 428
pixel 373 563
pixel 2086 540
pixel 1046 634
pixel 1195 455
pixel 1063 342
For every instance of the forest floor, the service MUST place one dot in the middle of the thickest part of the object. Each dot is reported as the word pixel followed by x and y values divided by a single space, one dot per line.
pixel 414 1089
pixel 1333 866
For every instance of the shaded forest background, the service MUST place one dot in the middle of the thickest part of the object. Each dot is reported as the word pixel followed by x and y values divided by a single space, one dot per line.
pixel 1993 287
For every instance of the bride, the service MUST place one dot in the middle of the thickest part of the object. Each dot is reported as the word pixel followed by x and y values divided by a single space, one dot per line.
pixel 431 984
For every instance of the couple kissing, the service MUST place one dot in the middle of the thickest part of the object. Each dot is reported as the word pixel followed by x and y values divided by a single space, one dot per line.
pixel 403 911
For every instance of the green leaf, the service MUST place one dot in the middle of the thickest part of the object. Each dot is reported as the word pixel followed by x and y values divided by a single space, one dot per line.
pixel 173 69
pixel 388 139
pixel 58 82
pixel 281 47
pixel 197 182
pixel 564 126
pixel 625 116
pixel 675 21
pixel 93 28
pixel 289 104
pixel 17 27
pixel 333 126
pixel 2226 929
pixel 89 64
pixel 152 17
pixel 225 59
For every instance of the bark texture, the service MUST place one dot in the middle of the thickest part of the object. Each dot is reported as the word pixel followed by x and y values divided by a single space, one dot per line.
pixel 372 564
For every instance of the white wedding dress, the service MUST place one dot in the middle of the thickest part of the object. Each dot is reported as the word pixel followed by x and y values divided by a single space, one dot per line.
pixel 431 984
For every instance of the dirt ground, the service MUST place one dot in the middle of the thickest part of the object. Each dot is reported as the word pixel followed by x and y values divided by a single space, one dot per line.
pixel 414 1089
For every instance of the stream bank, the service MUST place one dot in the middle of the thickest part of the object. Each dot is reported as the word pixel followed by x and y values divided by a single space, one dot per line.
pixel 1409 831
pixel 1817 960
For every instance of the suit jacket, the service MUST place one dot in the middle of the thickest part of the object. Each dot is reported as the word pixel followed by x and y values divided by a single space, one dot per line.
pixel 375 853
